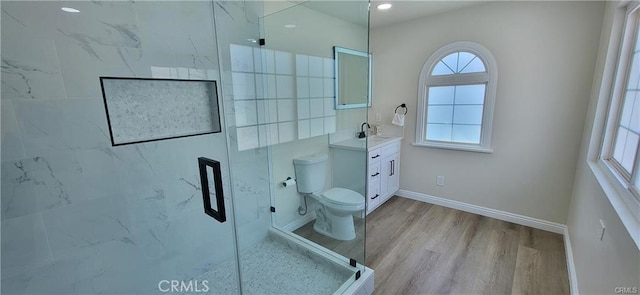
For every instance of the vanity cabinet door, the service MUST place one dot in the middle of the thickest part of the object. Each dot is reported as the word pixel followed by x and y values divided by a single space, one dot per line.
pixel 390 180
pixel 393 179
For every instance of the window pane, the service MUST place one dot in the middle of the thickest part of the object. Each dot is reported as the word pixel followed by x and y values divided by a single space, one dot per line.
pixel 627 108
pixel 467 114
pixel 451 61
pixel 466 133
pixel 441 95
pixel 634 72
pixel 440 132
pixel 470 94
pixel 637 47
pixel 441 69
pixel 618 148
pixel 636 182
pixel 635 115
pixel 637 37
pixel 463 60
pixel 475 66
pixel 630 149
pixel 440 114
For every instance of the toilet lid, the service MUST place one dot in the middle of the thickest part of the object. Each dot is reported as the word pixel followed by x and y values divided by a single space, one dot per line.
pixel 343 196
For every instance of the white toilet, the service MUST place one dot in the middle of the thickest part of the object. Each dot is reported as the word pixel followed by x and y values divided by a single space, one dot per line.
pixel 334 216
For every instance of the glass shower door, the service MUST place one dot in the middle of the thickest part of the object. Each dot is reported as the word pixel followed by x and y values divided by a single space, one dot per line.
pixel 259 86
pixel 107 108
pixel 303 38
pixel 259 97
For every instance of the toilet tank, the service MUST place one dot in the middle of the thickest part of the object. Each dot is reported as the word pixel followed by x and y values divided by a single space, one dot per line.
pixel 311 171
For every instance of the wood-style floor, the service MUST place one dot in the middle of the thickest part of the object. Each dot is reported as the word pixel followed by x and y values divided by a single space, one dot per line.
pixel 418 248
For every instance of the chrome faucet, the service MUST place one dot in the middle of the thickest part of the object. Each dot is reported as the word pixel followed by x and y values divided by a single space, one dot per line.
pixel 362 133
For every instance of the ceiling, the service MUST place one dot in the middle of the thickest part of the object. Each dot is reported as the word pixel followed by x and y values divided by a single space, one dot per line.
pixel 355 11
pixel 403 11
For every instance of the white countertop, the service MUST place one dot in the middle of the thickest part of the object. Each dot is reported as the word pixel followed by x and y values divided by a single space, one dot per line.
pixel 361 144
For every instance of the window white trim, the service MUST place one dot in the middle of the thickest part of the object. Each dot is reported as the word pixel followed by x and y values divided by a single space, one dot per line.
pixel 489 77
pixel 613 185
pixel 454 146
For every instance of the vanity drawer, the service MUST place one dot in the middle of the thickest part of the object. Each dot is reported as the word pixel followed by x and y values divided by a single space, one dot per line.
pixel 373 194
pixel 374 172
pixel 390 149
pixel 374 155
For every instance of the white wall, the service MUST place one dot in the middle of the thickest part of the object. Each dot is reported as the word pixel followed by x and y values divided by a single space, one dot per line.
pixel 316 34
pixel 545 53
pixel 601 266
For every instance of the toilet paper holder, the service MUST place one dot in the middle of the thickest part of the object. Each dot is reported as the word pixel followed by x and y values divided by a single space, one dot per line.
pixel 289 182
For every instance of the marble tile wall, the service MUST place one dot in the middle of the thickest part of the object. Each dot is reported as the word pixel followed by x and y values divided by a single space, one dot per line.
pixel 81 216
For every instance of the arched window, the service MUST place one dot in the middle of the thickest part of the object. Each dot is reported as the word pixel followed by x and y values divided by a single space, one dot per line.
pixel 456 96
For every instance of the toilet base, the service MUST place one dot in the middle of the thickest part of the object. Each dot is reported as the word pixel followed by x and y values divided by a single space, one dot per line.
pixel 333 226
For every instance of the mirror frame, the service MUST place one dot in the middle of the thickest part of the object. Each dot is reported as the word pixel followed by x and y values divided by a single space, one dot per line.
pixel 336 51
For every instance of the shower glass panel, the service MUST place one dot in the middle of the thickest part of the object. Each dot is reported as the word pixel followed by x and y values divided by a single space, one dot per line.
pixel 300 119
pixel 271 261
pixel 82 213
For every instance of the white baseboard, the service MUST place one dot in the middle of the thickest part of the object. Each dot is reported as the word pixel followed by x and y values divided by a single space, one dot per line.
pixel 300 222
pixel 571 268
pixel 484 211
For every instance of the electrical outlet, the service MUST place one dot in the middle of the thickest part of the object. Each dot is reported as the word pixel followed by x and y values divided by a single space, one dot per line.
pixel 378 117
pixel 440 180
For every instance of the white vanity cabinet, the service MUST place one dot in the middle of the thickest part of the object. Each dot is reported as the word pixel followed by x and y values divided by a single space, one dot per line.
pixel 383 173
pixel 382 162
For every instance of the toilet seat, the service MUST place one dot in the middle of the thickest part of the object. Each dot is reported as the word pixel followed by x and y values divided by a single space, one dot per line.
pixel 342 197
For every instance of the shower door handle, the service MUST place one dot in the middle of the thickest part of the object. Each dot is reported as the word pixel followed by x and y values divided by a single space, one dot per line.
pixel 204 164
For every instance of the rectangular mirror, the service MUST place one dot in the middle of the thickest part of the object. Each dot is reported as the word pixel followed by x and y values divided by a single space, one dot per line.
pixel 353 78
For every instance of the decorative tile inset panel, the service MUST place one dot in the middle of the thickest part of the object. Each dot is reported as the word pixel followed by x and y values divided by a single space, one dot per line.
pixel 303 129
pixel 284 63
pixel 290 89
pixel 286 132
pixel 265 86
pixel 141 110
pixel 243 86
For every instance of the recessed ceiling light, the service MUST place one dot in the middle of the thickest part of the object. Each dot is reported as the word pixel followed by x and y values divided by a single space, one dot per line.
pixel 384 6
pixel 290 26
pixel 69 9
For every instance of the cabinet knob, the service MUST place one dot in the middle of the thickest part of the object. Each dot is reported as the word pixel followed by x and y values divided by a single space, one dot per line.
pixel 375 156
pixel 373 198
pixel 377 173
